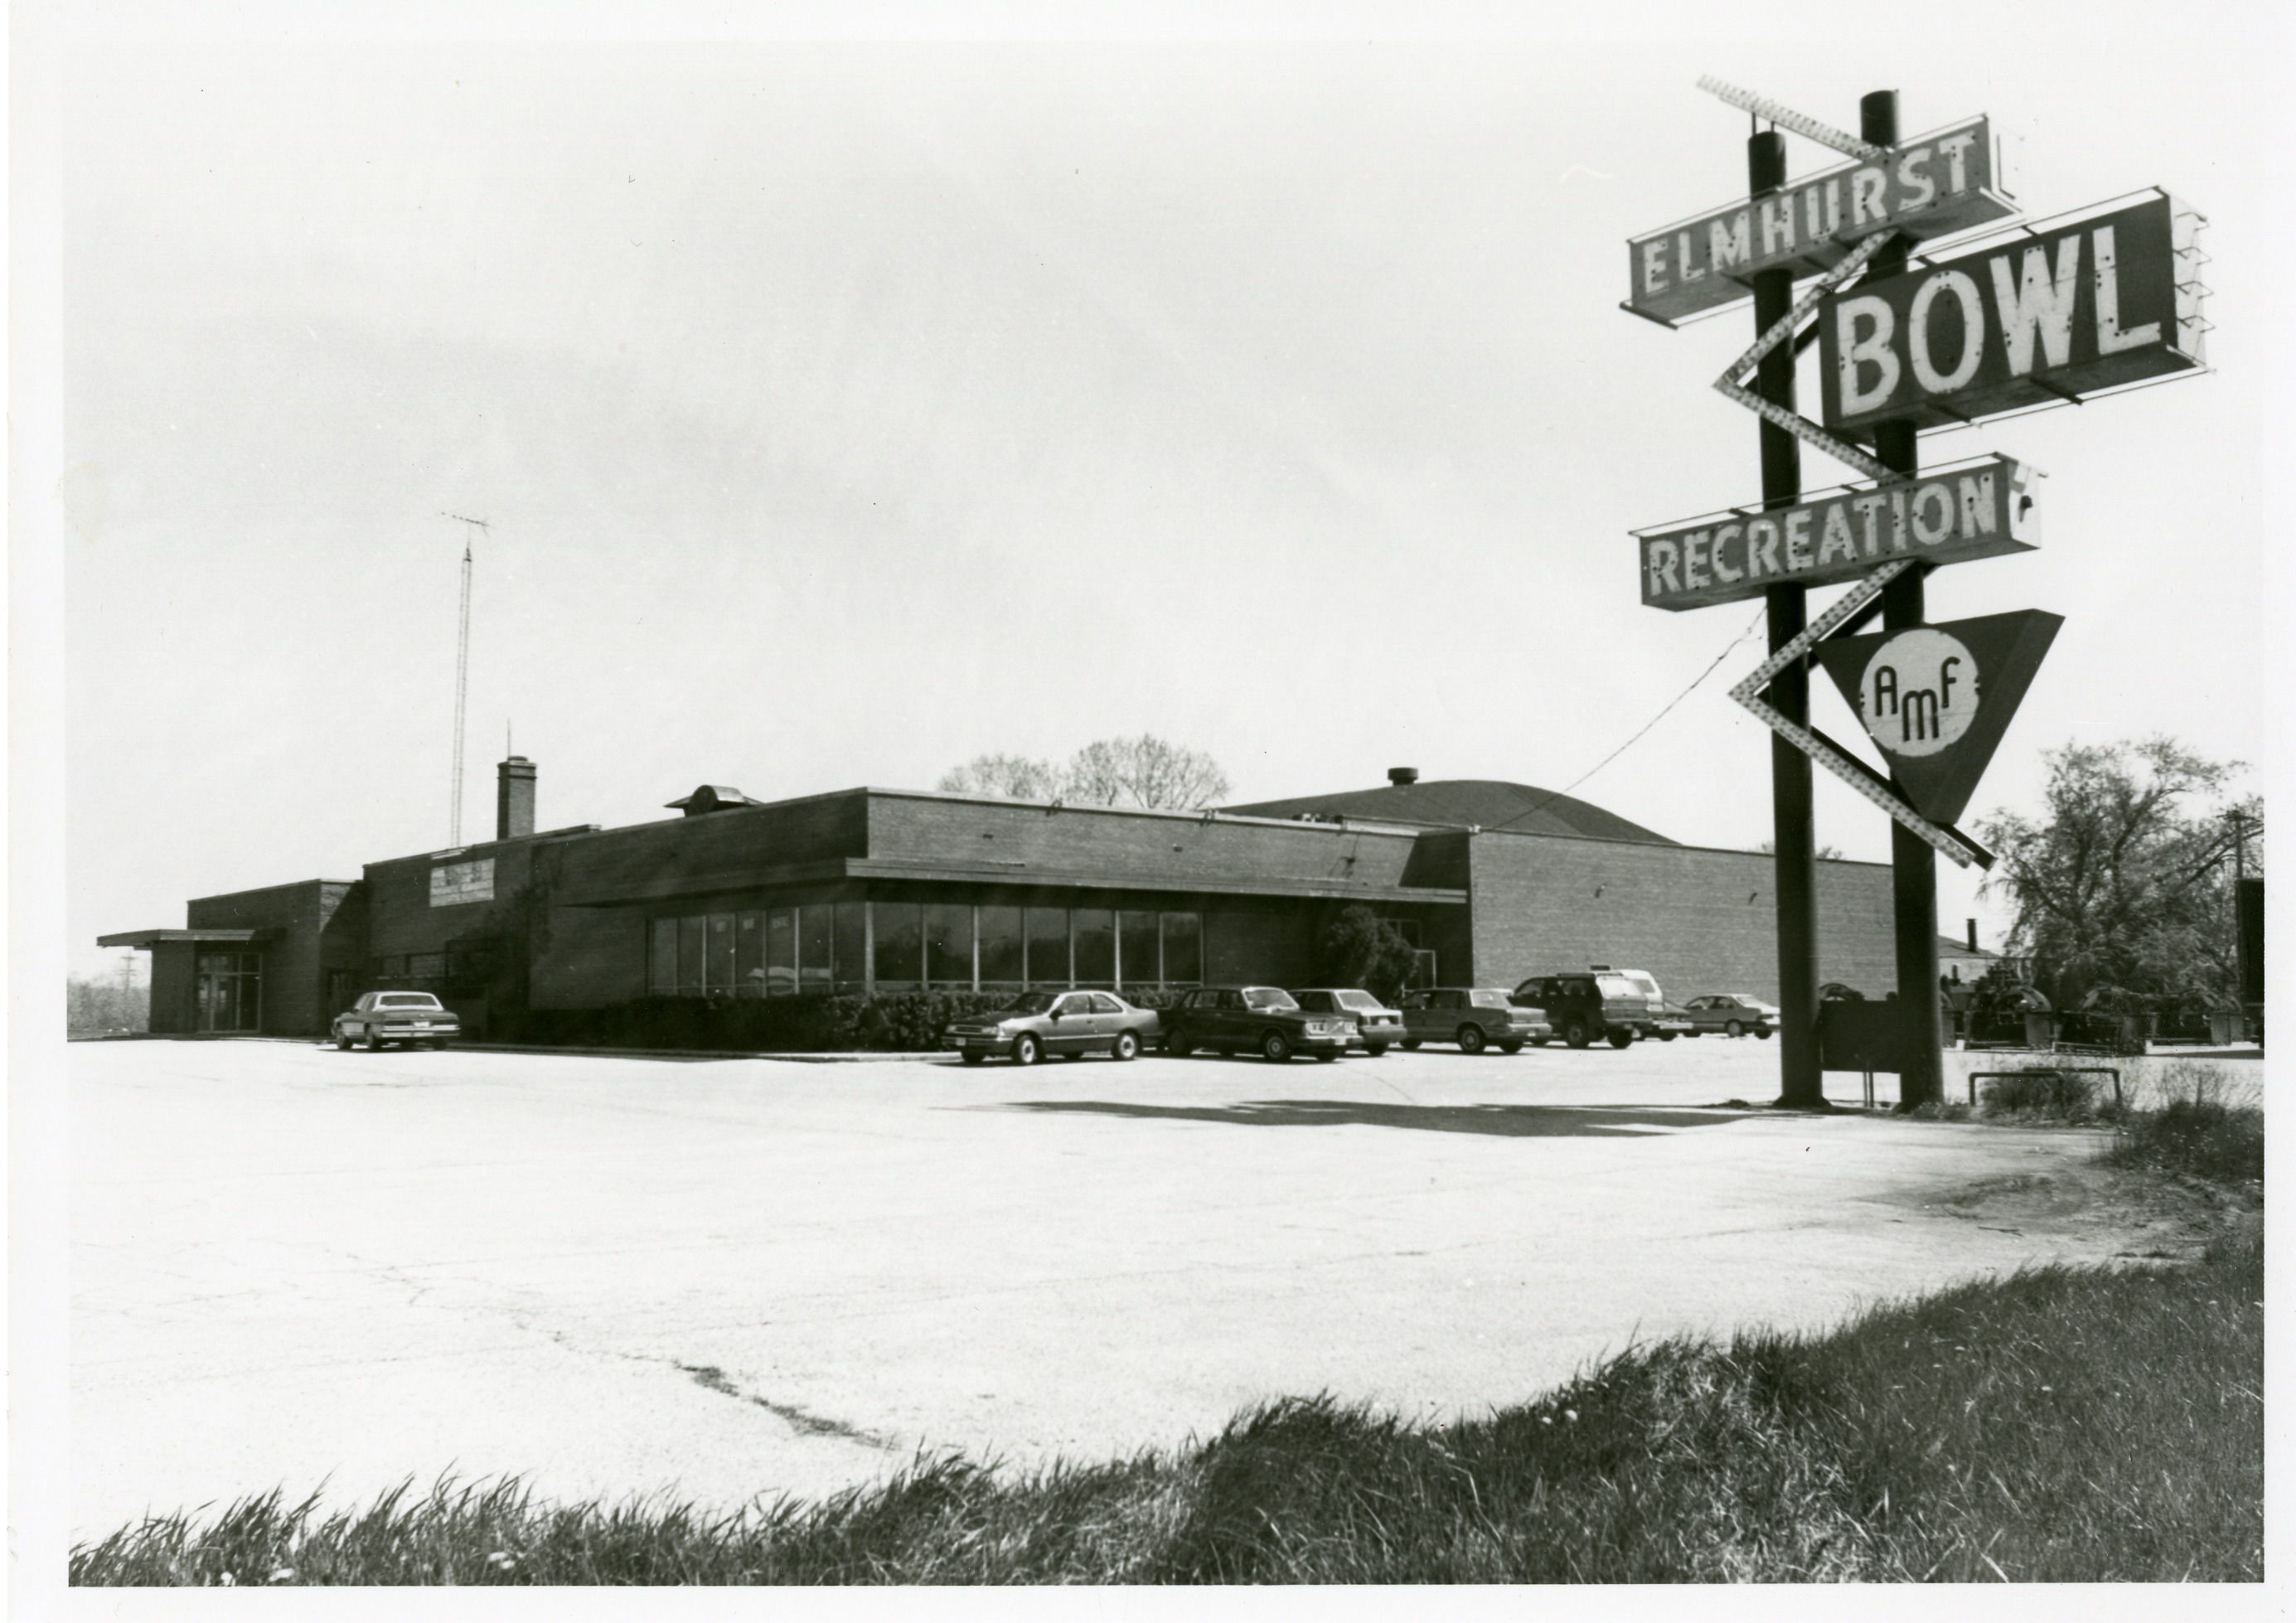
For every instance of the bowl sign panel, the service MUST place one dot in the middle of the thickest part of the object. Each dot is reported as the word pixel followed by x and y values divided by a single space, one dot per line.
pixel 1937 699
pixel 1934 186
pixel 2109 301
pixel 1920 692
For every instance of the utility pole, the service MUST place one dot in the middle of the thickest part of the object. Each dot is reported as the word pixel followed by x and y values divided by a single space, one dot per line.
pixel 1913 861
pixel 462 683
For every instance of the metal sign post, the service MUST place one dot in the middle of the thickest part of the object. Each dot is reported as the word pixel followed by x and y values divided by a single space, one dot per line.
pixel 1793 810
pixel 1912 862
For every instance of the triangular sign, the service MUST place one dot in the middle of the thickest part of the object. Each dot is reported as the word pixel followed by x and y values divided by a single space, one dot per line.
pixel 1937 699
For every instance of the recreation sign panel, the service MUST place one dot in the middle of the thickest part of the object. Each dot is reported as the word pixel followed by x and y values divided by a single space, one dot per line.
pixel 1985 508
pixel 1944 183
pixel 2059 314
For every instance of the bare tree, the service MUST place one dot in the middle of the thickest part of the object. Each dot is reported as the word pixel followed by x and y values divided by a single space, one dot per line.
pixel 1012 777
pixel 1145 771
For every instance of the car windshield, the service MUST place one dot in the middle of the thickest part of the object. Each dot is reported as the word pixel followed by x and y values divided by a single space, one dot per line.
pixel 1267 997
pixel 1029 1003
pixel 1619 985
pixel 407 1000
pixel 1358 1000
pixel 1649 987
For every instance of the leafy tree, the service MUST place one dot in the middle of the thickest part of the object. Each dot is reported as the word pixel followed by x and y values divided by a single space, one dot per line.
pixel 93 1007
pixel 2123 882
pixel 1145 771
pixel 1362 949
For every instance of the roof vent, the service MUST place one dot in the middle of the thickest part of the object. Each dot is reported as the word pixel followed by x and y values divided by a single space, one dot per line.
pixel 1402 776
pixel 710 798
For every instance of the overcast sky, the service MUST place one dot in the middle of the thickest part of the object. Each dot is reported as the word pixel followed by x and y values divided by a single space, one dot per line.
pixel 842 411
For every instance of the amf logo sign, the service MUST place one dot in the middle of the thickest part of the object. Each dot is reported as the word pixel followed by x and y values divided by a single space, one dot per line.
pixel 1920 692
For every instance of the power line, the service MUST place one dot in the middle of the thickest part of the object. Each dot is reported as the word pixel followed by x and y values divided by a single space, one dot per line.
pixel 1752 627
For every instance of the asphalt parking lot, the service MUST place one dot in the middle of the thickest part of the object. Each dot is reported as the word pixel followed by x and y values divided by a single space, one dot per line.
pixel 293 1266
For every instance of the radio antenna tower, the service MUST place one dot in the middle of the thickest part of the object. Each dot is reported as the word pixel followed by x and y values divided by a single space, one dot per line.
pixel 462 680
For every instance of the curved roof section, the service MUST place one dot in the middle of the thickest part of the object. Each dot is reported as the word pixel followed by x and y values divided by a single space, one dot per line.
pixel 1482 803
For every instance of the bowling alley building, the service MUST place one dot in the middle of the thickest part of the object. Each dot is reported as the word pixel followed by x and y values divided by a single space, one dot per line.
pixel 876 892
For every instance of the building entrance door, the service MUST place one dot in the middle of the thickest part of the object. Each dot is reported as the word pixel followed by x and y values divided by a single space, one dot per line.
pixel 230 989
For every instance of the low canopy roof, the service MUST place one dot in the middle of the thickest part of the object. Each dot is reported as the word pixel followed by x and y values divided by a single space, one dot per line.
pixel 153 938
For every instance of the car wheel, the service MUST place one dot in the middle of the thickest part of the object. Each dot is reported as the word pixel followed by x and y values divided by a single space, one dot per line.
pixel 1275 1046
pixel 1622 1039
pixel 1763 1032
pixel 343 1042
pixel 372 1044
pixel 970 1056
pixel 1540 1042
pixel 1511 1045
pixel 1027 1049
pixel 1325 1059
pixel 1375 1050
pixel 1127 1046
pixel 1667 1036
pixel 1471 1039
pixel 1410 1045
pixel 1734 1028
pixel 1575 1033
pixel 1178 1047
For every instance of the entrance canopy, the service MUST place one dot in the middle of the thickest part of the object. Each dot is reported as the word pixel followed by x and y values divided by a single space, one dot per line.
pixel 205 938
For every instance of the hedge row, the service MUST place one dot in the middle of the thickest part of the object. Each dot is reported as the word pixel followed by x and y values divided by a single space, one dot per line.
pixel 903 1023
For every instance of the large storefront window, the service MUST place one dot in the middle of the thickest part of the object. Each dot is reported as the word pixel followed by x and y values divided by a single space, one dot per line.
pixel 815 942
pixel 781 953
pixel 852 945
pixel 1183 949
pixel 908 947
pixel 948 944
pixel 1139 955
pixel 1003 950
pixel 1048 947
pixel 1094 932
pixel 900 930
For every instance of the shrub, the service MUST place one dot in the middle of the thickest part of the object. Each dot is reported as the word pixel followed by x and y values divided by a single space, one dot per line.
pixel 2202 1137
pixel 2040 1092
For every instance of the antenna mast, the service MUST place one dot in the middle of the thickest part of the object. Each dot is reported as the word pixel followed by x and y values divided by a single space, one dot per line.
pixel 462 680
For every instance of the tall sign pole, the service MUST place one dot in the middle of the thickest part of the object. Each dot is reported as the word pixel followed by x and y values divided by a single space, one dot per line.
pixel 1913 861
pixel 1794 817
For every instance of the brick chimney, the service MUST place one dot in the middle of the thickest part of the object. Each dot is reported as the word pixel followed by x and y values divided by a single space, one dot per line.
pixel 514 798
pixel 1402 777
pixel 1973 934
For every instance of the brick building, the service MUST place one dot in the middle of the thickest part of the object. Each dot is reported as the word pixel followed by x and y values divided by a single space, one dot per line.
pixel 878 892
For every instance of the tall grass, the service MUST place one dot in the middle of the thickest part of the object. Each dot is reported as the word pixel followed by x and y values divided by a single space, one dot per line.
pixel 2059 1424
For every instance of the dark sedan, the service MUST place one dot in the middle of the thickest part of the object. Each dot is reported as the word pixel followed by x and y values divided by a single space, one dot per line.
pixel 1068 1024
pixel 1265 1021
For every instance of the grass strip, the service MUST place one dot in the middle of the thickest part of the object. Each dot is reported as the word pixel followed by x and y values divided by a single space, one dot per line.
pixel 2059 1424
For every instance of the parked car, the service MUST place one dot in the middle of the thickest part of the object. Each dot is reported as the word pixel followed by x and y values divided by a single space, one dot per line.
pixel 1673 1019
pixel 1378 1027
pixel 1839 991
pixel 1734 1014
pixel 1265 1021
pixel 1473 1017
pixel 1068 1024
pixel 1584 1008
pixel 416 1019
